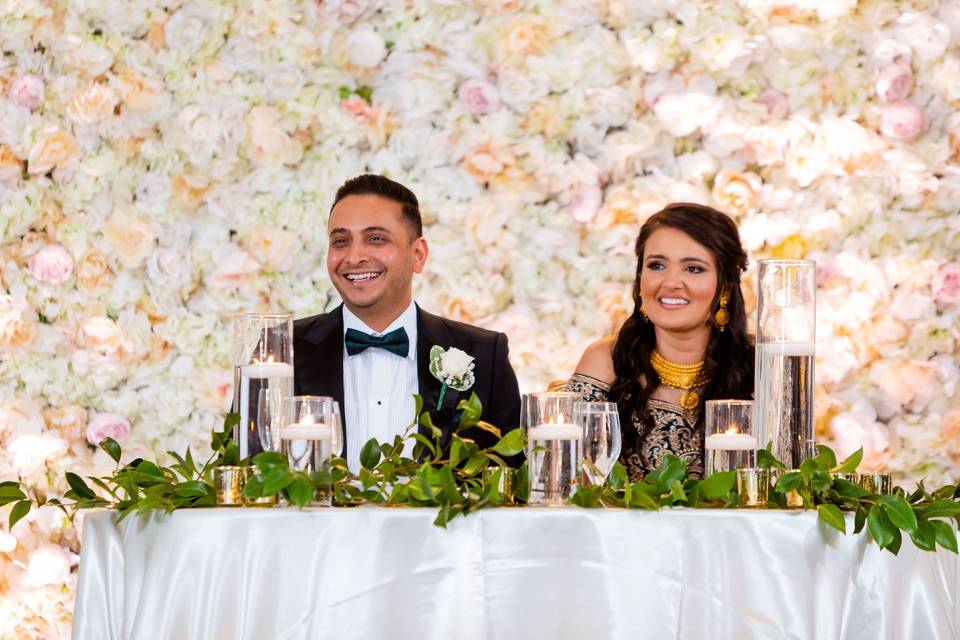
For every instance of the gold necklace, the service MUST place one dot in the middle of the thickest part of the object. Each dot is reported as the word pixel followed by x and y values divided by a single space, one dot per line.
pixel 680 376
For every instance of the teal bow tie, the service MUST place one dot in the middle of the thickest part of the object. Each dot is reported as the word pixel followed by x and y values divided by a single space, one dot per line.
pixel 395 342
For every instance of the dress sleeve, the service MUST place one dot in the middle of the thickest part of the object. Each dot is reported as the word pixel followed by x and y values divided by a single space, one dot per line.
pixel 591 389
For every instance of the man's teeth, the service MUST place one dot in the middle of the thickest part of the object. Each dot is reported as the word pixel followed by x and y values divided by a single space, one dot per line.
pixel 674 301
pixel 354 277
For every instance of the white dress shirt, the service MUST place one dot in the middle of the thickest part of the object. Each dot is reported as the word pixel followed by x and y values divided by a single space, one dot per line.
pixel 378 388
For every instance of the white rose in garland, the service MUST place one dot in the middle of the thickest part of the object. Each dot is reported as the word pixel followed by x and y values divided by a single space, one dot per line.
pixel 453 368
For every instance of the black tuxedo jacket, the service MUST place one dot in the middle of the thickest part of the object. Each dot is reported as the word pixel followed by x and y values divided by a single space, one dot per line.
pixel 318 366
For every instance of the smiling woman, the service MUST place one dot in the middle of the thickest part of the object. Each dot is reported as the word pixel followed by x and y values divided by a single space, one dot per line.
pixel 685 342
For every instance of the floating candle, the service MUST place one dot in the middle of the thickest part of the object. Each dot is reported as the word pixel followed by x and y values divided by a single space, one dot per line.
pixel 555 432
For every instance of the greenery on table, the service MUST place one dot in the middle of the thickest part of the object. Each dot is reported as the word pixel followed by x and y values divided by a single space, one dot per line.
pixel 456 476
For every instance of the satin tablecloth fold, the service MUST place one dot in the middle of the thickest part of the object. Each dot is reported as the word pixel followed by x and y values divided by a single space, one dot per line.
pixel 259 574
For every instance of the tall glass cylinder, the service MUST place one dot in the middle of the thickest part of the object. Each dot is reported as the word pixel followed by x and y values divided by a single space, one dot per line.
pixel 786 338
pixel 309 427
pixel 262 378
pixel 554 446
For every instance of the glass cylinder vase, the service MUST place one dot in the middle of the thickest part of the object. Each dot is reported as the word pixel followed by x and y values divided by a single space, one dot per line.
pixel 554 446
pixel 262 377
pixel 786 336
pixel 729 443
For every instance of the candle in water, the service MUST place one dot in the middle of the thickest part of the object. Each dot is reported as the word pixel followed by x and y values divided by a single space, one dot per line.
pixel 731 440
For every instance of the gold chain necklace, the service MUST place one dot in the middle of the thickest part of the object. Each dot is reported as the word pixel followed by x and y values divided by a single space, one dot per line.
pixel 685 377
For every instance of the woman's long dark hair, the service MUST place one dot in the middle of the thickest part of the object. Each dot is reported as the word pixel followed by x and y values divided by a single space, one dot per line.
pixel 729 360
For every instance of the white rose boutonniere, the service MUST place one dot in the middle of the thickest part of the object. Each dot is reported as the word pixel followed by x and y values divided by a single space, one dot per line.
pixel 453 368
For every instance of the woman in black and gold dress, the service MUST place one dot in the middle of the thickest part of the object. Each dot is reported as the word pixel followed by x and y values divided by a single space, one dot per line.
pixel 686 341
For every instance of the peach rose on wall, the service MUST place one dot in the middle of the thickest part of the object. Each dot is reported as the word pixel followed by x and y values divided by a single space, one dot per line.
pixel 55 148
pixel 736 193
pixel 18 325
pixel 93 104
pixel 93 273
pixel 11 167
pixel 102 335
pixel 131 239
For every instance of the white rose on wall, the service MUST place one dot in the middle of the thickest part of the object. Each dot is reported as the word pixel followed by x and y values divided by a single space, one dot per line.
pixel 365 48
pixel 30 452
pixel 87 57
pixel 188 29
pixel 93 104
pixel 685 113
pixel 130 238
pixel 270 144
pixel 49 564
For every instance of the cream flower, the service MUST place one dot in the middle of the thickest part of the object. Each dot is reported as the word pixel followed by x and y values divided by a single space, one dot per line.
pixel 232 265
pixel 130 238
pixel 479 96
pixel 946 284
pixel 902 121
pixel 365 48
pixel 103 336
pixel 29 453
pixel 93 273
pixel 18 325
pixel 270 143
pixel 276 249
pixel 48 564
pixel 89 57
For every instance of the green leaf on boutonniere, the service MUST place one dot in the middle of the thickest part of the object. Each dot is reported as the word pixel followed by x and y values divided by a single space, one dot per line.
pixel 510 444
pixel 370 454
pixel 831 515
pixel 851 463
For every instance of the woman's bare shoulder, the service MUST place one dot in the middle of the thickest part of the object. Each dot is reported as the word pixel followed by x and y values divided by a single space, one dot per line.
pixel 597 360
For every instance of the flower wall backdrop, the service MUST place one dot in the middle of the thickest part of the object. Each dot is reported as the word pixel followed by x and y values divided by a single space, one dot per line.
pixel 165 164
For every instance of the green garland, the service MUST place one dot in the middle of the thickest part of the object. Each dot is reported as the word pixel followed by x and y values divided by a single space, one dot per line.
pixel 458 477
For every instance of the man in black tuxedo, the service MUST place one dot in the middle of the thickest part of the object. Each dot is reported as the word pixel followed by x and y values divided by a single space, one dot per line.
pixel 371 353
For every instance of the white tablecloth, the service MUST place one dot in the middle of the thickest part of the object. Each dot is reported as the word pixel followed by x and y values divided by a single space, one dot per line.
pixel 263 574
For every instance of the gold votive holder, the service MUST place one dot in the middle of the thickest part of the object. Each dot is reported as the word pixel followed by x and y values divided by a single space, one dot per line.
pixel 793 500
pixel 877 483
pixel 505 483
pixel 264 501
pixel 853 478
pixel 228 483
pixel 753 487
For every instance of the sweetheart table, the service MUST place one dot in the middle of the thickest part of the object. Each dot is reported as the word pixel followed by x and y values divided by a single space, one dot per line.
pixel 524 573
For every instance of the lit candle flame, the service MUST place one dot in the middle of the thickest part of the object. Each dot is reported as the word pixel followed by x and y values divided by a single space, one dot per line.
pixel 732 430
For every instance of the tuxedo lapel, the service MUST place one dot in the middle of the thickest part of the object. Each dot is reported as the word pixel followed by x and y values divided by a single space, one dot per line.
pixel 319 360
pixel 433 331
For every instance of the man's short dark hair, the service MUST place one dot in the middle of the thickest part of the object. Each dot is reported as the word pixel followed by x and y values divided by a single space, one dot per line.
pixel 376 185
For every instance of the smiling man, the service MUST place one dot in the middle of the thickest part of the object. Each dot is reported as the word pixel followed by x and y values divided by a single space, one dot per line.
pixel 372 352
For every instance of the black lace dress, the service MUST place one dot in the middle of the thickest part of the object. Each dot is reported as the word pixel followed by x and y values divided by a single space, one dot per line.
pixel 673 430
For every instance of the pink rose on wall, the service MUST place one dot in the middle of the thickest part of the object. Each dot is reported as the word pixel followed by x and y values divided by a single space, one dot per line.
pixel 895 82
pixel 107 425
pixel 776 102
pixel 946 284
pixel 53 264
pixel 479 95
pixel 902 121
pixel 26 91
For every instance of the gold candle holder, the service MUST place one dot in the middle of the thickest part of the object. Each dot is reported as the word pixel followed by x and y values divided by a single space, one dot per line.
pixel 853 478
pixel 877 483
pixel 506 482
pixel 228 483
pixel 753 487
pixel 264 501
pixel 794 500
